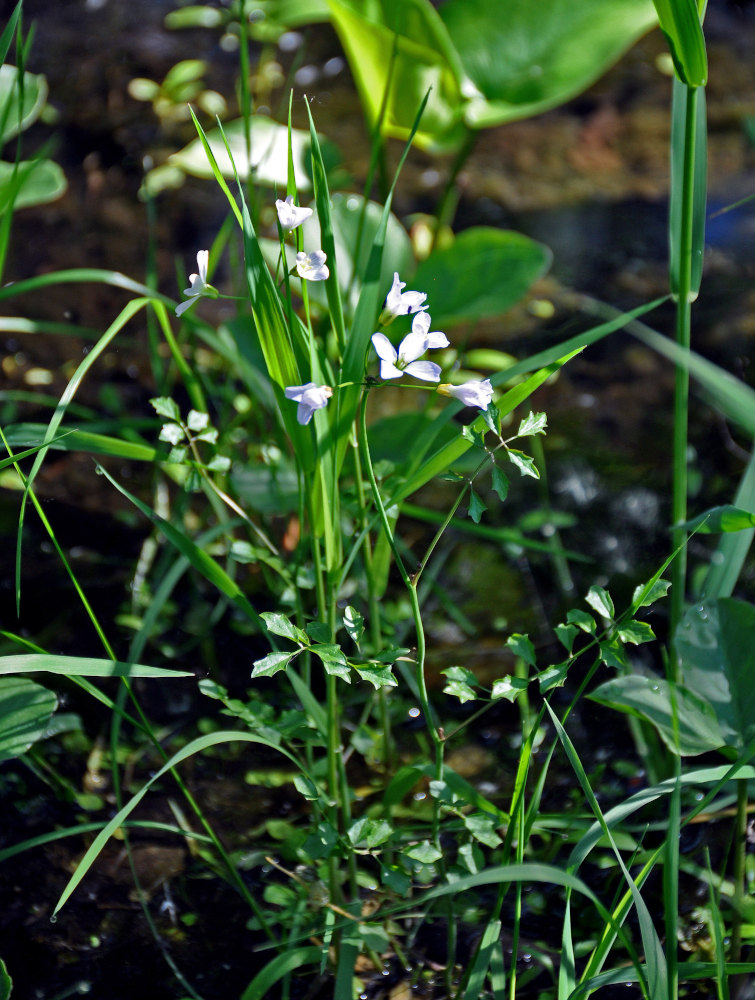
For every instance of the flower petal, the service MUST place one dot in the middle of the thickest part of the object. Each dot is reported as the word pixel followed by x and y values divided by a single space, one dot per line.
pixel 400 303
pixel 413 346
pixel 384 348
pixel 425 370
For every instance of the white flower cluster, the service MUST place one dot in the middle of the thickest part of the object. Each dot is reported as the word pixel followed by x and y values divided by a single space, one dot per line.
pixel 308 265
pixel 393 364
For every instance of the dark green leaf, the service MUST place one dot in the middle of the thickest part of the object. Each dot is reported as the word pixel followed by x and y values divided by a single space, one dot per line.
pixel 520 645
pixel 500 482
pixel 271 664
pixel 26 709
pixel 458 277
pixel 476 506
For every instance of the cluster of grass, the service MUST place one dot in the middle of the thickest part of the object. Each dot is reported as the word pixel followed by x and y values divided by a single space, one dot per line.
pixel 277 489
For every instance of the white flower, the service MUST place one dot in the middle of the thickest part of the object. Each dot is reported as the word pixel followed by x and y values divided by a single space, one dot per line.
pixel 312 266
pixel 310 397
pixel 197 283
pixel 421 324
pixel 291 216
pixel 393 364
pixel 400 303
pixel 477 393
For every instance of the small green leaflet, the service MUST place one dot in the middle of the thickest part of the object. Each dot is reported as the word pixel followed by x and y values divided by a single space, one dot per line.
pixel 476 506
pixel 271 664
pixel 353 622
pixel 378 676
pixel 535 423
pixel 509 688
pixel 333 660
pixel 500 483
pixel 166 407
pixel 524 463
pixel 280 625
pixel 599 599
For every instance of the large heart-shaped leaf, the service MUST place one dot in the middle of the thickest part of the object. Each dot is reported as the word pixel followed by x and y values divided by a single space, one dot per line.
pixel 482 273
pixel 34 97
pixel 25 712
pixel 268 161
pixel 526 57
pixel 398 50
pixel 649 698
pixel 39 181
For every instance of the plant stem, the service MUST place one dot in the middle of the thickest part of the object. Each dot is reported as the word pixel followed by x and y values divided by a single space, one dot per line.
pixel 681 385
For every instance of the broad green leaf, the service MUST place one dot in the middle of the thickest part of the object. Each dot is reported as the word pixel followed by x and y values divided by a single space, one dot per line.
pixel 36 182
pixel 680 23
pixel 268 162
pixel 397 50
pixel 368 833
pixel 35 95
pixel 525 57
pixel 716 645
pixel 26 709
pixel 649 698
pixel 635 632
pixel 582 620
pixel 81 666
pixel 721 519
pixel 482 273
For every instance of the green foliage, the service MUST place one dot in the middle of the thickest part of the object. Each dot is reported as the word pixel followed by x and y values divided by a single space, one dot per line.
pixel 486 64
pixel 26 709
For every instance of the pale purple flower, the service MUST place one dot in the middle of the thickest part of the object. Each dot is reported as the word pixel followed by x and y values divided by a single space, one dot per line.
pixel 401 303
pixel 291 216
pixel 310 397
pixel 393 364
pixel 476 393
pixel 312 266
pixel 197 283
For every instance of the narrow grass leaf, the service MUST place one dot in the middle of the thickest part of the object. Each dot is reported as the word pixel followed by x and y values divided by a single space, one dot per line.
pixel 687 111
pixel 81 666
pixel 657 972
pixel 289 961
pixel 196 746
pixel 198 558
pixel 680 23
pixel 490 939
pixel 10 27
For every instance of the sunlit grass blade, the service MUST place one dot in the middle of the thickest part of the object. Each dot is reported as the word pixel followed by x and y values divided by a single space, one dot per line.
pixel 10 27
pixel 77 831
pixel 490 940
pixel 327 239
pixel 368 307
pixel 196 746
pixel 657 971
pixel 81 666
pixel 74 440
pixel 680 23
pixel 288 961
pixel 80 275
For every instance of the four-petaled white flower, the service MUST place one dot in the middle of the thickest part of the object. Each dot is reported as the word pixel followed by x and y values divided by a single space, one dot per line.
pixel 310 397
pixel 393 364
pixel 476 393
pixel 197 283
pixel 291 216
pixel 400 303
pixel 312 266
pixel 434 338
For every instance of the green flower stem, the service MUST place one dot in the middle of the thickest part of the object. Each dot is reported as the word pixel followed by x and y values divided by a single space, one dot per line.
pixel 681 386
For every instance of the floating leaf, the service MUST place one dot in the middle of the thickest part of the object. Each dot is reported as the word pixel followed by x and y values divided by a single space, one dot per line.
pixel 458 277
